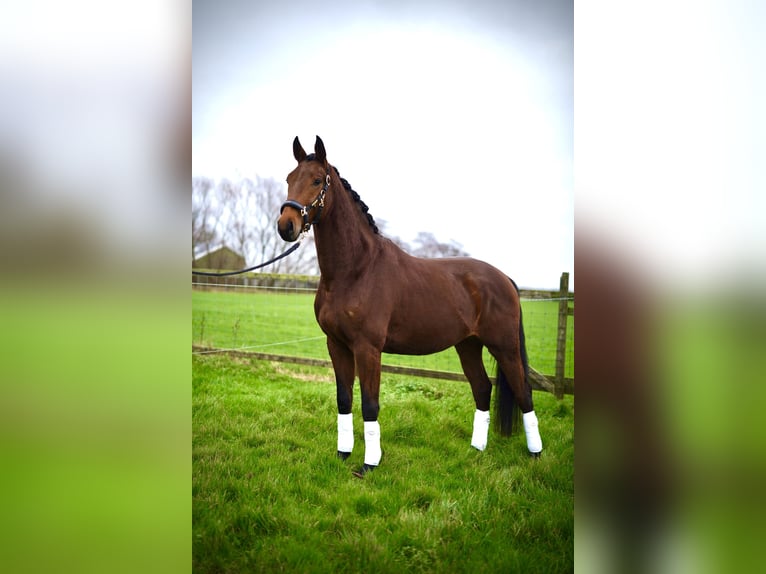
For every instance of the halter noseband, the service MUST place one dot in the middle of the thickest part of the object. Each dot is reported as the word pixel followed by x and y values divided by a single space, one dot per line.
pixel 304 210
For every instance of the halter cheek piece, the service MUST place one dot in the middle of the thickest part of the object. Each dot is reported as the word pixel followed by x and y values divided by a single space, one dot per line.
pixel 304 210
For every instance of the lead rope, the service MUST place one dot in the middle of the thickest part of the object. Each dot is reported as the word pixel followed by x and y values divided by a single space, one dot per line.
pixel 269 262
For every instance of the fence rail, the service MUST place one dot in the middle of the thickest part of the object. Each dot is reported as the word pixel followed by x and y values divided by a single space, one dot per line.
pixel 537 380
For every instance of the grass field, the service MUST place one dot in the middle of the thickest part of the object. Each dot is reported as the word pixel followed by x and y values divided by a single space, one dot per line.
pixel 284 323
pixel 269 494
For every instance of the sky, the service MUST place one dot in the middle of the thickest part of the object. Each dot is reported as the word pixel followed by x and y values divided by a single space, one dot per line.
pixel 454 118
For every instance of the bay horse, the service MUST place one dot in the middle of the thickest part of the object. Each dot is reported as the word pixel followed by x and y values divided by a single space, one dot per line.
pixel 374 298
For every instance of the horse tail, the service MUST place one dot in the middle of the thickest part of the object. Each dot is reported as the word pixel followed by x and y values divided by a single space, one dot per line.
pixel 507 414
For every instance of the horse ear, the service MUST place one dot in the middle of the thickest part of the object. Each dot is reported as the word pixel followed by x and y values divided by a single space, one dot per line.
pixel 298 150
pixel 319 150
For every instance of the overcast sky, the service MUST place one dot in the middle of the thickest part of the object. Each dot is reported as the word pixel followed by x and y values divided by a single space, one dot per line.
pixel 449 117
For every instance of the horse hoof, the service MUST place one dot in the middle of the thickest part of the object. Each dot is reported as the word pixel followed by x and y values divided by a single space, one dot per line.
pixel 343 455
pixel 364 470
pixel 535 454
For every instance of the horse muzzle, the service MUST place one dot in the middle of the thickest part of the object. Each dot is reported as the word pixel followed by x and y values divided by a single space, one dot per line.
pixel 289 227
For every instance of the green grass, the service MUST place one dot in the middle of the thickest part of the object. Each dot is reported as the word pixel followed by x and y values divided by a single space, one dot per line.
pixel 268 493
pixel 284 324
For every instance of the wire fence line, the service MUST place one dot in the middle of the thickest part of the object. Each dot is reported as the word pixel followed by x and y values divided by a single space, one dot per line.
pixel 312 291
pixel 263 346
pixel 236 317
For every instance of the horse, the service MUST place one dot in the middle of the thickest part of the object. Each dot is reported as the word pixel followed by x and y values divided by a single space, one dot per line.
pixel 375 298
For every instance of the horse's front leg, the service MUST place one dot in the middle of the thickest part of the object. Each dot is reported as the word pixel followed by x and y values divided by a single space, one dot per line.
pixel 343 364
pixel 367 360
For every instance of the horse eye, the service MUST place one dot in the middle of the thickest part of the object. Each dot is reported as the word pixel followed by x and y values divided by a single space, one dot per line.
pixel 317 181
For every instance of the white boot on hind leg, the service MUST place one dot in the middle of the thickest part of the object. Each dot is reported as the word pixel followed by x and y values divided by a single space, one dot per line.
pixel 480 429
pixel 372 452
pixel 534 442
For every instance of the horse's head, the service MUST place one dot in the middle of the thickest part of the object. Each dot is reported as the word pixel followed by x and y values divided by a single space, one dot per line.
pixel 306 188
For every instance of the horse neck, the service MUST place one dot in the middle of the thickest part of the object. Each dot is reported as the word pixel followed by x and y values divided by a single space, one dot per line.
pixel 343 238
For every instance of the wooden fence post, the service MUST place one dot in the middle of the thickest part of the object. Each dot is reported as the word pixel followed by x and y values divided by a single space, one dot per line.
pixel 561 339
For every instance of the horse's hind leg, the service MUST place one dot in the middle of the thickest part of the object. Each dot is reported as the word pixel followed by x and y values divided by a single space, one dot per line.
pixel 515 392
pixel 469 352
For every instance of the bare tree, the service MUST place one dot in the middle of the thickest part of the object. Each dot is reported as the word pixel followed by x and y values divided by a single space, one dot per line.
pixel 205 214
pixel 429 246
pixel 239 201
pixel 383 228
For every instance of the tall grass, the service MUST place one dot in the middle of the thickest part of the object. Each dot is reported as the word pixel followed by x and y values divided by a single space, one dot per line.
pixel 269 494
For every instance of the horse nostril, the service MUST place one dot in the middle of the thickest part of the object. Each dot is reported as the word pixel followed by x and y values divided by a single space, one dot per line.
pixel 286 230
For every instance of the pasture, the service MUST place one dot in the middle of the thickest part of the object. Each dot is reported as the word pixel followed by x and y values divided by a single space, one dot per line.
pixel 269 494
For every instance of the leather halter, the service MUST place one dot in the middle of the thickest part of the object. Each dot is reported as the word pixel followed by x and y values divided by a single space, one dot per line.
pixel 304 210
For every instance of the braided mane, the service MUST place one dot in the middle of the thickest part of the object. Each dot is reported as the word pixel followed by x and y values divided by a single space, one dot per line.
pixel 358 200
pixel 355 196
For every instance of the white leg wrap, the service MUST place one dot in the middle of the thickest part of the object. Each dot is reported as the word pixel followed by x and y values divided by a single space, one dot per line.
pixel 346 432
pixel 372 452
pixel 534 442
pixel 480 429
